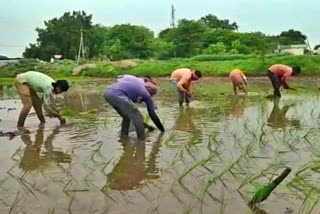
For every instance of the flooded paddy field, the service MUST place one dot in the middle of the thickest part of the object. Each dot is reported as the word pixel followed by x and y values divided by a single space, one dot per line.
pixel 211 159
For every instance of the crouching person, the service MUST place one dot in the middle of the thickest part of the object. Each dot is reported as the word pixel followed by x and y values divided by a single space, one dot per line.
pixel 123 95
pixel 239 81
pixel 31 82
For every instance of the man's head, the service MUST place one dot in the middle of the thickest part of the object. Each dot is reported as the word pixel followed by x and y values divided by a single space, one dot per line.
pixel 196 75
pixel 60 86
pixel 296 70
pixel 151 87
pixel 149 79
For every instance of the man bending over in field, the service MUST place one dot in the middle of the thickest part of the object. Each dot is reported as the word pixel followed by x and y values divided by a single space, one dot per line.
pixel 28 84
pixel 123 95
pixel 279 74
pixel 239 80
pixel 182 79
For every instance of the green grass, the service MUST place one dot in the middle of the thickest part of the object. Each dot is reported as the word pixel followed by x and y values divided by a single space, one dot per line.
pixel 213 65
pixel 6 80
pixel 68 112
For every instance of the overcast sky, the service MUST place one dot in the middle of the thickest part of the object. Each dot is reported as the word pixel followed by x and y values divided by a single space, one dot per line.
pixel 19 18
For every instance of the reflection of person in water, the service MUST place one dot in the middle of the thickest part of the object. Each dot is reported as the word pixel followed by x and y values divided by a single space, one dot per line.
pixel 33 158
pixel 133 166
pixel 185 122
pixel 237 106
pixel 278 119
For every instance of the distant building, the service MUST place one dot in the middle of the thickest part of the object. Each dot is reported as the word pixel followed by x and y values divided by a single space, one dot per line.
pixel 293 49
pixel 57 57
pixel 316 50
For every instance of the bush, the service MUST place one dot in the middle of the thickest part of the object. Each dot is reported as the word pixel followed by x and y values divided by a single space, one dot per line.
pixel 218 48
pixel 223 57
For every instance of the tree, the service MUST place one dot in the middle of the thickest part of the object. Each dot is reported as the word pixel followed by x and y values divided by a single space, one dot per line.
pixel 60 36
pixel 134 39
pixel 188 37
pixel 241 48
pixel 249 42
pixel 218 48
pixel 96 40
pixel 168 34
pixel 114 50
pixel 161 49
pixel 291 37
pixel 316 47
pixel 3 57
pixel 213 21
pixel 233 51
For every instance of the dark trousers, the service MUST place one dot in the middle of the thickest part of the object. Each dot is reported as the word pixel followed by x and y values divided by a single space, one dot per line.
pixel 129 112
pixel 276 83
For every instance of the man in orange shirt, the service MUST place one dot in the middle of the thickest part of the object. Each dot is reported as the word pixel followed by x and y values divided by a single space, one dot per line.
pixel 279 74
pixel 239 80
pixel 182 79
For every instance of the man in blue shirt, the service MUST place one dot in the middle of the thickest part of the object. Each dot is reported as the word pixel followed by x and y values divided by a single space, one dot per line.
pixel 123 95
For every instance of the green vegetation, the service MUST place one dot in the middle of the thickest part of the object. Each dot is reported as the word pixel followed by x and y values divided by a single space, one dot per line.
pixel 67 112
pixel 207 35
pixel 213 65
pixel 209 44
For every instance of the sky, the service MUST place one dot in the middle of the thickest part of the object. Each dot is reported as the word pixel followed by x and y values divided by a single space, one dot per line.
pixel 19 18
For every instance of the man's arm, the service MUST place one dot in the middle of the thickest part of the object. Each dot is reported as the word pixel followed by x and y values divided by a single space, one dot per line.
pixel 154 117
pixel 183 85
pixel 284 81
pixel 50 107
pixel 244 79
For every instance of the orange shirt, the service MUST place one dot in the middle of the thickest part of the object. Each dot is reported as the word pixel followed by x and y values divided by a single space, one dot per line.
pixel 237 76
pixel 282 71
pixel 183 76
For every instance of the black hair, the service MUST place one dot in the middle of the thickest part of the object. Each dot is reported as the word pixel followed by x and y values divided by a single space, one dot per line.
pixel 148 78
pixel 297 69
pixel 198 73
pixel 63 84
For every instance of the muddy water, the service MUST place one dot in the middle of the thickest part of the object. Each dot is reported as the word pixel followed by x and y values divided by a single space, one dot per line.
pixel 211 159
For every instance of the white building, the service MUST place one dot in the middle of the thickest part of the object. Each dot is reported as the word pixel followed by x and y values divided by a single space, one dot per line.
pixel 316 51
pixel 293 49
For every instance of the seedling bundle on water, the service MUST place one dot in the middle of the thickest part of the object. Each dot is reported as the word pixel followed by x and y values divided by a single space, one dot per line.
pixel 264 192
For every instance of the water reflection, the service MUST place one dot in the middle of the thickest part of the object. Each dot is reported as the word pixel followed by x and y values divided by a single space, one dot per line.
pixel 134 167
pixel 278 118
pixel 81 100
pixel 185 122
pixel 40 153
pixel 237 106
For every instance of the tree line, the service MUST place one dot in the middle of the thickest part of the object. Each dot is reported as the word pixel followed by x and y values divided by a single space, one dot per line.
pixel 208 35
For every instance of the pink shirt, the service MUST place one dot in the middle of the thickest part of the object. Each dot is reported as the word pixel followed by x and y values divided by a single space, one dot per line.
pixel 282 71
pixel 237 77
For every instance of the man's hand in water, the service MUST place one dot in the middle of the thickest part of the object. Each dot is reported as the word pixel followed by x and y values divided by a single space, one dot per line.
pixel 150 128
pixel 189 95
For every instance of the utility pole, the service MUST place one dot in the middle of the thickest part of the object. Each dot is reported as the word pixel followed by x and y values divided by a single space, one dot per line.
pixel 81 47
pixel 173 16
